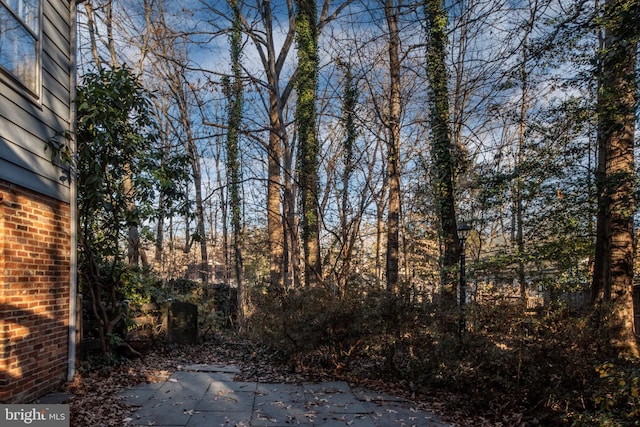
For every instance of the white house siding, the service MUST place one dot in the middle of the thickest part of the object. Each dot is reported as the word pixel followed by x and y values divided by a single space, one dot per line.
pixel 27 122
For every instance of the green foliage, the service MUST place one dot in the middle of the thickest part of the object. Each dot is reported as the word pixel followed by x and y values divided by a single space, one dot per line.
pixel 117 158
pixel 140 287
pixel 348 117
pixel 181 286
pixel 557 197
pixel 615 396
pixel 120 171
pixel 308 144
pixel 116 161
pixel 119 166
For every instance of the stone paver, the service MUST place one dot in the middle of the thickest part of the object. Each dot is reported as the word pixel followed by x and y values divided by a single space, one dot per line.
pixel 207 396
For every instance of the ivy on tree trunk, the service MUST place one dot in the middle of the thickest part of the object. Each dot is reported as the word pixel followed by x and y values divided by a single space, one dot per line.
pixel 308 145
pixel 444 162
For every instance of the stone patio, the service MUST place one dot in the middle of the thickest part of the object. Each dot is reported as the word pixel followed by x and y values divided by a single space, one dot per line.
pixel 207 395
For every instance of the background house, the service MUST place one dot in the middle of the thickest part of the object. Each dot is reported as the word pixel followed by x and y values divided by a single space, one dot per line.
pixel 37 287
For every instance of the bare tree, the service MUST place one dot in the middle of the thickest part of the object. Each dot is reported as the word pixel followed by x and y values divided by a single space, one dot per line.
pixel 391 12
pixel 170 62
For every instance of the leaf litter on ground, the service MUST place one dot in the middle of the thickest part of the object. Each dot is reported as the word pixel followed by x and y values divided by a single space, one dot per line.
pixel 95 390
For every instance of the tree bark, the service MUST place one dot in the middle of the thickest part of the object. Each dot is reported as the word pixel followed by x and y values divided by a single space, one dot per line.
pixel 234 170
pixel 393 146
pixel 617 102
pixel 441 146
pixel 308 145
pixel 273 63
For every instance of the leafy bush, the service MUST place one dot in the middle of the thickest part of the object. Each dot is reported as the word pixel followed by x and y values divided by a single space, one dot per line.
pixel 615 399
pixel 181 286
pixel 120 171
pixel 140 286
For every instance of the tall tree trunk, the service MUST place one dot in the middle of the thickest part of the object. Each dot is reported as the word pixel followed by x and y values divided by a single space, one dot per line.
pixel 308 145
pixel 292 257
pixel 617 102
pixel 110 41
pixel 273 63
pixel 275 228
pixel 347 235
pixel 600 258
pixel 441 146
pixel 191 148
pixel 133 236
pixel 379 233
pixel 234 173
pixel 194 157
pixel 393 146
pixel 519 184
pixel 187 233
pixel 224 219
pixel 159 244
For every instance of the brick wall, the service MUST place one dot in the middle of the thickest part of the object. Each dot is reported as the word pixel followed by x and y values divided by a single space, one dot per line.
pixel 34 293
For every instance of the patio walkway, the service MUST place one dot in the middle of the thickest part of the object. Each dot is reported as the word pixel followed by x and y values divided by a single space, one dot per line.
pixel 206 395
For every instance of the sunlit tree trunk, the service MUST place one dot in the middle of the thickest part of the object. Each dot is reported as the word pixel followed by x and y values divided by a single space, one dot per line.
pixel 273 62
pixel 224 219
pixel 520 156
pixel 91 26
pixel 617 102
pixel 159 243
pixel 275 227
pixel 601 263
pixel 162 205
pixel 292 257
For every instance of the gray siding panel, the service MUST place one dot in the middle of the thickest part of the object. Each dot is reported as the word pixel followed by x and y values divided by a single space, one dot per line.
pixel 55 105
pixel 36 162
pixel 16 118
pixel 37 176
pixel 58 11
pixel 26 124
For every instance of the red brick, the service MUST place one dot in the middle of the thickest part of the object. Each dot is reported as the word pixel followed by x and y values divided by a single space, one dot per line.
pixel 35 250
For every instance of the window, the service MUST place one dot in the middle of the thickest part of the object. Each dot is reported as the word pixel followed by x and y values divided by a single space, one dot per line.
pixel 19 40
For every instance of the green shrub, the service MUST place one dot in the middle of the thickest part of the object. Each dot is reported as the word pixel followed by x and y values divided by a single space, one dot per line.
pixel 140 286
pixel 181 286
pixel 615 396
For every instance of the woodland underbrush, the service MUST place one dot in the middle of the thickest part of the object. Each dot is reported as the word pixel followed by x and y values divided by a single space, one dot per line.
pixel 510 366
